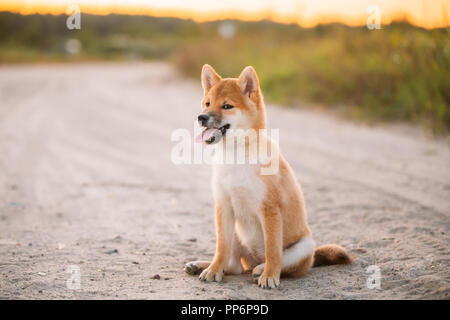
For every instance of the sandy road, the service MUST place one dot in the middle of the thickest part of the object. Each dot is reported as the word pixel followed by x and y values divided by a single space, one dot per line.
pixel 86 180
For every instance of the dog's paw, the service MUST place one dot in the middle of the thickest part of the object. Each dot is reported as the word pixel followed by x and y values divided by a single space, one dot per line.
pixel 268 281
pixel 257 271
pixel 192 268
pixel 195 267
pixel 212 273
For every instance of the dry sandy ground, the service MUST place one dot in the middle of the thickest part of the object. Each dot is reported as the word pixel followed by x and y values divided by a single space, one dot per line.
pixel 86 179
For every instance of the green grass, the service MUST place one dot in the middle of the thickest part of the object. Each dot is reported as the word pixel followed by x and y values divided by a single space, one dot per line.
pixel 398 73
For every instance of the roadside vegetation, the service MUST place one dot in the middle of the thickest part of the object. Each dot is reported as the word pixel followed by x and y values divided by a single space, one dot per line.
pixel 398 73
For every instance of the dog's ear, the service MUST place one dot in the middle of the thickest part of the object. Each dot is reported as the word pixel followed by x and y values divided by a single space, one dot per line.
pixel 248 81
pixel 209 77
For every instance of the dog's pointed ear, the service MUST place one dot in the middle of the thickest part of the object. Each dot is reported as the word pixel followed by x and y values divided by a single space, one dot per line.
pixel 248 81
pixel 209 77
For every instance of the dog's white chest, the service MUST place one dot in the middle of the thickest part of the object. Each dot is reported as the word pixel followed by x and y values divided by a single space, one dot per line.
pixel 241 187
pixel 241 183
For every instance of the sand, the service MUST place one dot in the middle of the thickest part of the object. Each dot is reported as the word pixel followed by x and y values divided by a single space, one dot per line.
pixel 87 182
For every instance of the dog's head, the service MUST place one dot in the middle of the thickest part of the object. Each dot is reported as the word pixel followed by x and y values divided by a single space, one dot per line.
pixel 230 104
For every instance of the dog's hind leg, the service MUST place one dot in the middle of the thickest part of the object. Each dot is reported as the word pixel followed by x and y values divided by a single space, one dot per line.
pixel 196 267
pixel 233 266
pixel 297 260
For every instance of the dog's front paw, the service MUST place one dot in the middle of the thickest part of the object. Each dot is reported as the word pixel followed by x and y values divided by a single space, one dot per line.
pixel 266 281
pixel 212 273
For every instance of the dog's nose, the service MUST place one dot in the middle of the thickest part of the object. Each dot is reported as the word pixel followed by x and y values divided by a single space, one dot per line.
pixel 203 119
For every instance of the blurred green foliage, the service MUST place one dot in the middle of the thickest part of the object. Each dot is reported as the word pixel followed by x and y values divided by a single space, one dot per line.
pixel 400 72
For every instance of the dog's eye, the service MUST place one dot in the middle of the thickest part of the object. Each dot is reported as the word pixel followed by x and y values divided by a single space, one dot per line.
pixel 227 106
pixel 207 104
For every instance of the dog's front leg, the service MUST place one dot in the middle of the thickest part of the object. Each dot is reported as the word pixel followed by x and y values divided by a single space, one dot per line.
pixel 273 245
pixel 224 234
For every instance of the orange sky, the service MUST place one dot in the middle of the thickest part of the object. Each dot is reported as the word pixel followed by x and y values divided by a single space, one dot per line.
pixel 425 13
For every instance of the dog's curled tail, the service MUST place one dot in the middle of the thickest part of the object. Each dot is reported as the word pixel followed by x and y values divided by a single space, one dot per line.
pixel 329 254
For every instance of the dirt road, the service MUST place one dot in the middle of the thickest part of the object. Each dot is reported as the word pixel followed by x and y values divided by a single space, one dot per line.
pixel 87 183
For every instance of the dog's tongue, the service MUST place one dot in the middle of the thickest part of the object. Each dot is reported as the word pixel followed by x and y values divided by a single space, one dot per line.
pixel 206 134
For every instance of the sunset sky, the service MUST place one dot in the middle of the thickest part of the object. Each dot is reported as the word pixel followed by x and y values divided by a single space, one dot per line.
pixel 425 13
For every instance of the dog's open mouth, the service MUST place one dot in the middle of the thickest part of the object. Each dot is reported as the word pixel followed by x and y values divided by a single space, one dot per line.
pixel 212 135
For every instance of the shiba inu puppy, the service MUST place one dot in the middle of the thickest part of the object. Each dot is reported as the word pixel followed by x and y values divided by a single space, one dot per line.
pixel 261 221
